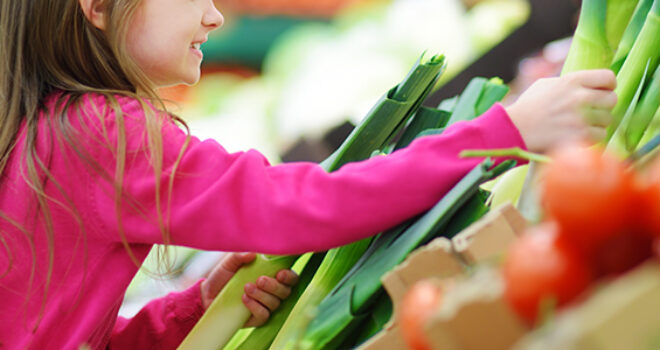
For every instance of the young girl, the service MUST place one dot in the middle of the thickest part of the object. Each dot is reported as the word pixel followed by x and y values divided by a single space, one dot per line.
pixel 95 172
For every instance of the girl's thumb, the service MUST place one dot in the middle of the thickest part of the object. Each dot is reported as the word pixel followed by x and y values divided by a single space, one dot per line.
pixel 234 261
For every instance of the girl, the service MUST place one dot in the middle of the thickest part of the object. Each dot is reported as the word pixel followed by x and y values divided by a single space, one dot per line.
pixel 95 172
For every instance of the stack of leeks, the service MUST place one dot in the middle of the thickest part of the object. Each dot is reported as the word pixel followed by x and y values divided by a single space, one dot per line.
pixel 226 315
pixel 359 295
pixel 622 35
pixel 341 288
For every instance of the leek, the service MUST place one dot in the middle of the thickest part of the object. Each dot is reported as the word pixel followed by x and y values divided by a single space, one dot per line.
pixel 337 263
pixel 652 130
pixel 346 306
pixel 646 49
pixel 643 114
pixel 389 115
pixel 410 93
pixel 631 33
pixel 508 187
pixel 493 92
pixel 619 13
pixel 379 316
pixel 479 95
pixel 262 337
pixel 590 48
pixel 425 118
pixel 227 314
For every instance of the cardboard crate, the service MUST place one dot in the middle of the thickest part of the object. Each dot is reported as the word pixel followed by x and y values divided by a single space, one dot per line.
pixel 447 261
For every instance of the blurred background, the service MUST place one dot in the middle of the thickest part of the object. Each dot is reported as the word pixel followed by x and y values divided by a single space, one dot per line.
pixel 290 77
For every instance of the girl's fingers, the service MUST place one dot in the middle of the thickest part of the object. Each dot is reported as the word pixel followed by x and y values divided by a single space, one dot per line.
pixel 233 261
pixel 221 274
pixel 260 313
pixel 596 133
pixel 266 295
pixel 602 99
pixel 595 78
pixel 273 286
pixel 288 277
pixel 272 302
pixel 598 117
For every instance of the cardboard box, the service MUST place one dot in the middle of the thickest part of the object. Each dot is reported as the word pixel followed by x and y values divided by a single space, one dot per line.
pixel 436 259
pixel 623 314
pixel 478 322
pixel 488 239
pixel 475 316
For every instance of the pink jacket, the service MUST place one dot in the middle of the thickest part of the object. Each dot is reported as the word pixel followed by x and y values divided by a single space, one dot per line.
pixel 220 201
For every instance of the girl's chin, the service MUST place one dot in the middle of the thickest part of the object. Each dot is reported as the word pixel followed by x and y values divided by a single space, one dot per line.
pixel 187 80
pixel 193 78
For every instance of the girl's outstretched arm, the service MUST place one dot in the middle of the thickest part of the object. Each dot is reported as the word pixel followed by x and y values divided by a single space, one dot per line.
pixel 239 202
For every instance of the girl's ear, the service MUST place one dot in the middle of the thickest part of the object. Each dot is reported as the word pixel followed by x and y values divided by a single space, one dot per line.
pixel 94 10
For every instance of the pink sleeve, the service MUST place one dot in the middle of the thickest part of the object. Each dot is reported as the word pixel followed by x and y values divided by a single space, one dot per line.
pixel 238 202
pixel 161 324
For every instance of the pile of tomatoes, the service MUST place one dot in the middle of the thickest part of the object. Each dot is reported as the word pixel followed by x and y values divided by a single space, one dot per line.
pixel 602 219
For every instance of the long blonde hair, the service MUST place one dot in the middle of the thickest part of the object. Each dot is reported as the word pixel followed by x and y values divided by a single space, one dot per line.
pixel 49 46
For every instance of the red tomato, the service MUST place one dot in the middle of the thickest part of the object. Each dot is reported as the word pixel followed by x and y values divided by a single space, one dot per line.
pixel 621 253
pixel 417 305
pixel 589 193
pixel 541 265
pixel 651 200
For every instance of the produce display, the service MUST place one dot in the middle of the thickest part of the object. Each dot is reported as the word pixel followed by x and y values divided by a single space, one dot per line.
pixel 601 224
pixel 504 279
pixel 361 264
pixel 605 229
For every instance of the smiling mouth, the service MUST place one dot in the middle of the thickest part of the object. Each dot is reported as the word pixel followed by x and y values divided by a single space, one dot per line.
pixel 196 46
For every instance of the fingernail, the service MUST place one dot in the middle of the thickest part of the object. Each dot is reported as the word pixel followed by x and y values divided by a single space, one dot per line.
pixel 261 282
pixel 250 288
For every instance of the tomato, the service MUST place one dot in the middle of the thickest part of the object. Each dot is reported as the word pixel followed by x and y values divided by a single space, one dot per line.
pixel 651 199
pixel 542 265
pixel 589 193
pixel 417 306
pixel 621 253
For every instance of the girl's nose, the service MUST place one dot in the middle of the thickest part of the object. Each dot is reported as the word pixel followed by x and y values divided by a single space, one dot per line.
pixel 212 17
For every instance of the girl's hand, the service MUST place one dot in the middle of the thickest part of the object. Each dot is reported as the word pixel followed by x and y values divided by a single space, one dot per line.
pixel 261 297
pixel 575 106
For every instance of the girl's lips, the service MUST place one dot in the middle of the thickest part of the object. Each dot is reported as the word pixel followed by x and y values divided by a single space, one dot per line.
pixel 197 52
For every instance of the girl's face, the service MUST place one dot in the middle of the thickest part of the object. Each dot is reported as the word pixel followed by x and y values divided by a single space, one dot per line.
pixel 164 38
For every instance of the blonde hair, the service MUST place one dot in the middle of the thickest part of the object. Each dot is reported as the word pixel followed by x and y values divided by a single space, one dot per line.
pixel 49 46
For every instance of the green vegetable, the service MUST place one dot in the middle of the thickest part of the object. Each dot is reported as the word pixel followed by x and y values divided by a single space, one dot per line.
pixel 346 305
pixel 425 118
pixel 477 98
pixel 646 49
pixel 631 33
pixel 619 13
pixel 227 315
pixel 644 112
pixel 590 48
pixel 408 96
pixel 261 337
